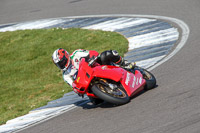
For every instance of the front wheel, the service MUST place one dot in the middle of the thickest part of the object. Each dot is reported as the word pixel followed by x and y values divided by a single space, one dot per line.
pixel 115 95
pixel 149 77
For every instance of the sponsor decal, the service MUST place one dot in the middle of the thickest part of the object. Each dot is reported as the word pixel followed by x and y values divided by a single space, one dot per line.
pixel 137 82
pixel 77 80
pixel 134 79
pixel 104 67
pixel 127 78
pixel 140 80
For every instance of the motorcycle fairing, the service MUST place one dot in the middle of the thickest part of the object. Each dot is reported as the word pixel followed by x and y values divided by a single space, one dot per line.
pixel 133 83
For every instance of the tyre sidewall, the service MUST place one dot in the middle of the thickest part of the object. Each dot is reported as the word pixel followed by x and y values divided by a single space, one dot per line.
pixel 150 83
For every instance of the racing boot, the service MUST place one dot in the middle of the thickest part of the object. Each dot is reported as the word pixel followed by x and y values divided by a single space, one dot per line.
pixel 125 64
pixel 129 65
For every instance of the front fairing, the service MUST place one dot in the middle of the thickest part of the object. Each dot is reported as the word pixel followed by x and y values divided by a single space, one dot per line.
pixel 133 83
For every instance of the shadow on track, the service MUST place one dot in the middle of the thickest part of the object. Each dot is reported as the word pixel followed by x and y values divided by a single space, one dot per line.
pixel 89 105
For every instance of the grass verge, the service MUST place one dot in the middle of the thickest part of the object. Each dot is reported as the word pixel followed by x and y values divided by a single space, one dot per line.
pixel 29 79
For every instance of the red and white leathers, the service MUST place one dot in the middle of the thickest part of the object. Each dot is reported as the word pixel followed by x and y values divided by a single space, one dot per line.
pixel 70 73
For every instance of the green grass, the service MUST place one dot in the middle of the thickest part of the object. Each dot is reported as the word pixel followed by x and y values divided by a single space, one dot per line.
pixel 29 79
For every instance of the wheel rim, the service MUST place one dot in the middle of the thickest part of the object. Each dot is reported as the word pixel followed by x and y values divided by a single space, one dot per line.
pixel 117 92
pixel 147 76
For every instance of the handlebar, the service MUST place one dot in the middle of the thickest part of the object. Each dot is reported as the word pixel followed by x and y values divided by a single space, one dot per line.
pixel 92 60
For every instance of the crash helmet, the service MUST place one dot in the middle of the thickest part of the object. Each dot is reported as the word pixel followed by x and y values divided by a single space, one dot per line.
pixel 61 59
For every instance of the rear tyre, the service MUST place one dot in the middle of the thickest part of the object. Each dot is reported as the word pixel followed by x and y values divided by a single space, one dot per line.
pixel 116 96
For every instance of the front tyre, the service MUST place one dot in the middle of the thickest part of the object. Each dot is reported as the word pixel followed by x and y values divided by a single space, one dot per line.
pixel 116 96
pixel 149 77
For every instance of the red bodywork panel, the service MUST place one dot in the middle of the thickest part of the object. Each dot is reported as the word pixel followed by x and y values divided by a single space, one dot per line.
pixel 132 83
pixel 109 72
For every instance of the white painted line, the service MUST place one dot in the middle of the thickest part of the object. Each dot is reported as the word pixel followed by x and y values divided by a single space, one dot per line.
pixel 155 35
pixel 125 25
pixel 32 25
pixel 106 23
pixel 147 63
pixel 119 24
pixel 153 38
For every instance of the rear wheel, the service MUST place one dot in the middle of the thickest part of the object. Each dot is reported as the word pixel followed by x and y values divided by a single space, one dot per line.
pixel 106 91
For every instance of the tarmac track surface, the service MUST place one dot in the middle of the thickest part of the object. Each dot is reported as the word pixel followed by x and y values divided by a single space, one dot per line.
pixel 172 107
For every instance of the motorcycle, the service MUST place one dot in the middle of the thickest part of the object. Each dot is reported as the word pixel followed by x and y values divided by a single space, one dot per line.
pixel 111 83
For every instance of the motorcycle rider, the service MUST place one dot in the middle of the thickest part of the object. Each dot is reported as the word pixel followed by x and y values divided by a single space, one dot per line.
pixel 69 63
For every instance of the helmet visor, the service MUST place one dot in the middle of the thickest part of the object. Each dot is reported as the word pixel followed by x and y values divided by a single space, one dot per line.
pixel 61 64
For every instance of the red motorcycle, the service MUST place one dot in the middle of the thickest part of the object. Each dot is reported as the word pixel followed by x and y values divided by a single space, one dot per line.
pixel 111 83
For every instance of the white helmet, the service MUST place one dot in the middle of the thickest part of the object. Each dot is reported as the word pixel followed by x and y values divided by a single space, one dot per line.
pixel 61 59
